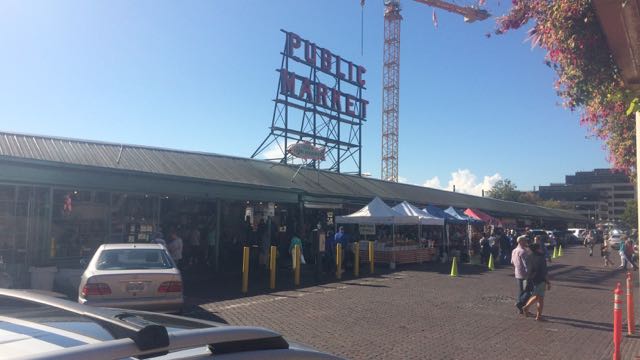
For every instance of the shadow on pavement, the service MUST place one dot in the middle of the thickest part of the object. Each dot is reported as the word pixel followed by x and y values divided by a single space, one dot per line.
pixel 362 284
pixel 581 324
pixel 227 286
pixel 200 313
pixel 583 274
pixel 583 287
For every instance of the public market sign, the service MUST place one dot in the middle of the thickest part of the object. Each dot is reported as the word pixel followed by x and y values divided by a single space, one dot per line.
pixel 310 90
pixel 306 150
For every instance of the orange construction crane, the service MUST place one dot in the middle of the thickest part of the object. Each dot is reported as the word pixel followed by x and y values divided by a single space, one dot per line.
pixel 391 75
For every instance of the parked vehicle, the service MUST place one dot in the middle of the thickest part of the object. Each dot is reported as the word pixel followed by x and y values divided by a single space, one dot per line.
pixel 543 235
pixel 132 276
pixel 37 326
pixel 615 238
pixel 6 281
pixel 579 233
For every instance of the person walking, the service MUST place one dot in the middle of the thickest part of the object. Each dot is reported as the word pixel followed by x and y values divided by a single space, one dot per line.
pixel 623 254
pixel 158 239
pixel 519 257
pixel 194 255
pixel 505 248
pixel 340 238
pixel 589 242
pixel 485 249
pixel 538 240
pixel 494 241
pixel 629 253
pixel 174 246
pixel 295 240
pixel 604 252
pixel 538 278
pixel 329 251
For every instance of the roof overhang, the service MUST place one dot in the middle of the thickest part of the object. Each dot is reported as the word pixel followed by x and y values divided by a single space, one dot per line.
pixel 620 21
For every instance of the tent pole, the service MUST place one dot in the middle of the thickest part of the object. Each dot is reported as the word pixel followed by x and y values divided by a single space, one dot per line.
pixel 393 246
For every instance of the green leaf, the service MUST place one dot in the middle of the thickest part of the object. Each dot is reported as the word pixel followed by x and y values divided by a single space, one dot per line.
pixel 633 106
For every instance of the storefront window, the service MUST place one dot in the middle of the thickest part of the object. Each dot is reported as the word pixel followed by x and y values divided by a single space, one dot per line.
pixel 7 222
pixel 134 217
pixel 79 223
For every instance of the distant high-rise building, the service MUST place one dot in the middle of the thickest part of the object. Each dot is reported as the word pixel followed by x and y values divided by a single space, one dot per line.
pixel 600 195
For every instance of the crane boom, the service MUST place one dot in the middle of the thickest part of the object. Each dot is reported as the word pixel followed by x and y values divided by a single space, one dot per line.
pixel 470 14
pixel 391 76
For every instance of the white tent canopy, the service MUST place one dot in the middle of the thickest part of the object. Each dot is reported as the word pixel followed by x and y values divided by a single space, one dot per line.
pixel 423 217
pixel 377 212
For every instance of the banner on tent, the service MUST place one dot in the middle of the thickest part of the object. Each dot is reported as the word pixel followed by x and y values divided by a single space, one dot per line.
pixel 367 229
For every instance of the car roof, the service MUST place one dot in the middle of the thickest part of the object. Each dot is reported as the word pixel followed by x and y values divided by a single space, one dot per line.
pixel 134 335
pixel 131 246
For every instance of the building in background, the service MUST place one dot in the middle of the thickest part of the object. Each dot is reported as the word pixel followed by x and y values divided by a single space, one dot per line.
pixel 600 195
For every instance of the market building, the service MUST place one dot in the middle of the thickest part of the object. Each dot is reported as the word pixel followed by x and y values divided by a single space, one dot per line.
pixel 61 198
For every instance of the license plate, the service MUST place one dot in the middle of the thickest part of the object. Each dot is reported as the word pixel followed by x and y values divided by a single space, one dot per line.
pixel 135 286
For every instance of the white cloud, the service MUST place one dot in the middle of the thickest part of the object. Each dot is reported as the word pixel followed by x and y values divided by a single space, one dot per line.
pixel 433 183
pixel 273 152
pixel 402 179
pixel 465 182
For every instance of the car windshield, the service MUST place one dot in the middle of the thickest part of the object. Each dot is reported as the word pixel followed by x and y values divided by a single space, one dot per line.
pixel 133 259
pixel 51 316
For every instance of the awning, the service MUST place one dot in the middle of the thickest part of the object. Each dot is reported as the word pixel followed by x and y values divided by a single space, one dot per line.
pixel 479 215
pixel 424 217
pixel 377 212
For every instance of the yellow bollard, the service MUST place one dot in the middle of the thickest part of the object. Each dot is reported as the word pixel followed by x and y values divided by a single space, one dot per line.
pixel 296 264
pixel 356 265
pixel 245 270
pixel 339 261
pixel 272 267
pixel 371 258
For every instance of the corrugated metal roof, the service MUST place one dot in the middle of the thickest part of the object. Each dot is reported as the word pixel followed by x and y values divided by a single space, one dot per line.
pixel 243 171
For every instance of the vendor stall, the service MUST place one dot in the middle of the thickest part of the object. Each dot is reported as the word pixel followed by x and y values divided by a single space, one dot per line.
pixel 393 241
pixel 451 245
pixel 462 235
pixel 427 244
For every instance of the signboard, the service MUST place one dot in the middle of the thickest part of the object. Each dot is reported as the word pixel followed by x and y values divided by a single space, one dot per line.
pixel 306 150
pixel 307 89
pixel 367 229
pixel 319 108
pixel 271 209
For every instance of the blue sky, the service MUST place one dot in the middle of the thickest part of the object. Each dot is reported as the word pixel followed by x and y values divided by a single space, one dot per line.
pixel 199 75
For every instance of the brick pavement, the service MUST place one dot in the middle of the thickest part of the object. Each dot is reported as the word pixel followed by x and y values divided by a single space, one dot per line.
pixel 419 312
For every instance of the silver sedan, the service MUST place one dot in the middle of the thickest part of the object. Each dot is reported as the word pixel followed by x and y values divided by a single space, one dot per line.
pixel 132 276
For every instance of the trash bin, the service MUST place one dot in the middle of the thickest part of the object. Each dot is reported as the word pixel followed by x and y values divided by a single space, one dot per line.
pixel 42 277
